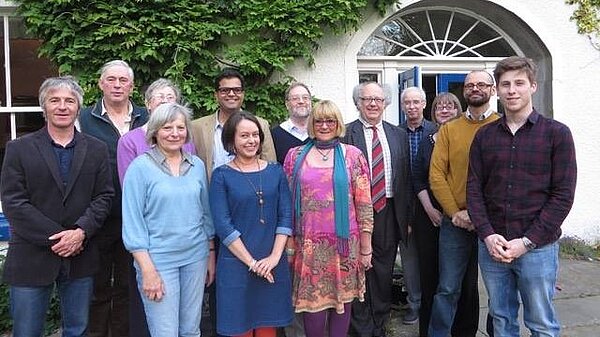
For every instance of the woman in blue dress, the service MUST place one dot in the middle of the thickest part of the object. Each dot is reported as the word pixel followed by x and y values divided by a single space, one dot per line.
pixel 251 206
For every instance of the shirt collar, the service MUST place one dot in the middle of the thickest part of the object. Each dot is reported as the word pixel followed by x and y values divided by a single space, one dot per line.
pixel 485 115
pixel 129 110
pixel 159 157
pixel 368 125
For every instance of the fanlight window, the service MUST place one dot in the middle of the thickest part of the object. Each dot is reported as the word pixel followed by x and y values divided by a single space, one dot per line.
pixel 436 33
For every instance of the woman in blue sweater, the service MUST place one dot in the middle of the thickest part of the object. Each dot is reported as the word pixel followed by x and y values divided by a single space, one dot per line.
pixel 167 225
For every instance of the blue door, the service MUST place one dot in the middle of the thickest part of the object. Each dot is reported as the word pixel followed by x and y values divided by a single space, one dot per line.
pixel 452 83
pixel 409 78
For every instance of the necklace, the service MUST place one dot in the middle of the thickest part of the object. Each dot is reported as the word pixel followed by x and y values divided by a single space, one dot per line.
pixel 258 191
pixel 324 156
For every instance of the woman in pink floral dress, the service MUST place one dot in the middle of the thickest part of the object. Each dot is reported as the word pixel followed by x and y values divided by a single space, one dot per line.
pixel 333 221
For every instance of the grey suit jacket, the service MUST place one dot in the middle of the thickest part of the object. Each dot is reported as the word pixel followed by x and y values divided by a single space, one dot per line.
pixel 398 142
pixel 38 205
pixel 203 133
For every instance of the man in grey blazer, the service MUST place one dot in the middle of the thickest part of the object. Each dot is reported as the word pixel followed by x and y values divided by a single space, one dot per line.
pixel 391 220
pixel 56 193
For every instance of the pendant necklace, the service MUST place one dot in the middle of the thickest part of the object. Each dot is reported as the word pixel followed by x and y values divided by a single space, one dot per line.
pixel 324 156
pixel 258 191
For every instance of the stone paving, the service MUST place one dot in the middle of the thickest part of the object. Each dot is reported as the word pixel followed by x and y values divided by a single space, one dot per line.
pixel 577 303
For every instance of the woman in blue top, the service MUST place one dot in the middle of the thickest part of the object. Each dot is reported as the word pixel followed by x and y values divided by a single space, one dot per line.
pixel 167 225
pixel 251 204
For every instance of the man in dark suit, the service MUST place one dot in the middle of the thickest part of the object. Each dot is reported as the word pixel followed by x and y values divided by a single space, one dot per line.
pixel 56 192
pixel 383 142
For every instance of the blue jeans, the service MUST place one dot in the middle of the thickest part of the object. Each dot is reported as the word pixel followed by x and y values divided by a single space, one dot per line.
pixel 28 306
pixel 458 274
pixel 179 312
pixel 533 276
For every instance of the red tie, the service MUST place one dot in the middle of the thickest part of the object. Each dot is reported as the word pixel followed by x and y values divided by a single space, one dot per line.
pixel 377 174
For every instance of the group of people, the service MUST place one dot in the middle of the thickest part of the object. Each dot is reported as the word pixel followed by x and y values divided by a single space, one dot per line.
pixel 130 212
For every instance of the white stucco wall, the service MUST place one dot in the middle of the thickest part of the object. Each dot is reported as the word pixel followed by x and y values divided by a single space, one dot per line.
pixel 576 93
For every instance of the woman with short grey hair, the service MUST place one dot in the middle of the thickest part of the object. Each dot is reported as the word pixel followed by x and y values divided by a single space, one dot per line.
pixel 167 225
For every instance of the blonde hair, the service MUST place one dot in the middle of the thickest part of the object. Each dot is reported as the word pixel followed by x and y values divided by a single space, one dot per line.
pixel 326 109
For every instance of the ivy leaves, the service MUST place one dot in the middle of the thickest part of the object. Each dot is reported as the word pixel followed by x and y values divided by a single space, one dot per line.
pixel 189 41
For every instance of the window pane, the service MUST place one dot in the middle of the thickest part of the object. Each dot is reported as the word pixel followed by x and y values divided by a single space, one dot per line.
pixel 27 70
pixel 2 78
pixel 4 134
pixel 409 34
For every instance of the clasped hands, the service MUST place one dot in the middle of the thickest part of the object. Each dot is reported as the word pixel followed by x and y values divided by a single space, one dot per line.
pixel 264 267
pixel 502 250
pixel 70 242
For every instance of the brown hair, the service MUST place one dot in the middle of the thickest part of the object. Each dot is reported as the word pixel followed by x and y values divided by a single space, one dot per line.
pixel 445 97
pixel 516 63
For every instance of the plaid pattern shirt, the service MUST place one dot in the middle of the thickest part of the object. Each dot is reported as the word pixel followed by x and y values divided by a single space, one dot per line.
pixel 522 184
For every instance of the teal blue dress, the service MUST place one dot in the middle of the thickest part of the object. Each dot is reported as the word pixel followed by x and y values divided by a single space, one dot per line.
pixel 246 301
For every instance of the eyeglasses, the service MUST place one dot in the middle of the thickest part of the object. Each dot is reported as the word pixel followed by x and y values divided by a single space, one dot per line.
pixel 304 98
pixel 368 100
pixel 479 85
pixel 227 90
pixel 445 107
pixel 329 122
pixel 164 98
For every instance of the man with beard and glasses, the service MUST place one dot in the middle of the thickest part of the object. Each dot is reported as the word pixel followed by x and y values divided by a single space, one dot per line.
pixel 458 239
pixel 293 132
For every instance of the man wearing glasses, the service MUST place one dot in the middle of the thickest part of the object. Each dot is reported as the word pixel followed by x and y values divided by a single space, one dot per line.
pixel 458 240
pixel 293 131
pixel 386 148
pixel 413 103
pixel 206 131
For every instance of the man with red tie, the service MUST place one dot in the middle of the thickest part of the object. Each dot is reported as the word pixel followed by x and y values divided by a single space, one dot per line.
pixel 386 148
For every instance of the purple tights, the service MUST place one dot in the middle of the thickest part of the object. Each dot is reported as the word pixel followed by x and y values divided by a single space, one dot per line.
pixel 316 323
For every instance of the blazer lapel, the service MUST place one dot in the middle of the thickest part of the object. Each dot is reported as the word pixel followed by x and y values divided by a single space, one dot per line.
pixel 358 137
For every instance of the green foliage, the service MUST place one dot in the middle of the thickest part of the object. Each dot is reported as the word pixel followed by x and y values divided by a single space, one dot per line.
pixel 586 15
pixel 576 248
pixel 190 40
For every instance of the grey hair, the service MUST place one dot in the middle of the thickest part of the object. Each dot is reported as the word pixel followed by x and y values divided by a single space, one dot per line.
pixel 63 82
pixel 294 85
pixel 115 63
pixel 160 84
pixel 420 91
pixel 166 113
pixel 387 92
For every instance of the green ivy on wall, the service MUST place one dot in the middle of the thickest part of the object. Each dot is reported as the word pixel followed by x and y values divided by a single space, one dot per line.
pixel 586 15
pixel 188 41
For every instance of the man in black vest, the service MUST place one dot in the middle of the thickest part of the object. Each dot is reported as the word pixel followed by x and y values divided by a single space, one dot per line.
pixel 292 132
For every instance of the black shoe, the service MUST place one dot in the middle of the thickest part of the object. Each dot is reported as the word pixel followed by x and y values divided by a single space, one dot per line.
pixel 411 317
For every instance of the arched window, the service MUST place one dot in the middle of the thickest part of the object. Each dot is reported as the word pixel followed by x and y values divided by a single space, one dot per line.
pixel 438 32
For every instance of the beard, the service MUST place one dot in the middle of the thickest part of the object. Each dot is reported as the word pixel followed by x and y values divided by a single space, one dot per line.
pixel 301 112
pixel 477 101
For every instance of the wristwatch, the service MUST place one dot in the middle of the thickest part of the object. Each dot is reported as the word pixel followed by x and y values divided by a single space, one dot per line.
pixel 528 244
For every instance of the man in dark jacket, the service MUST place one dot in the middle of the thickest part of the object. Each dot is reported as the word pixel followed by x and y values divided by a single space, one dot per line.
pixel 386 148
pixel 110 118
pixel 56 192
